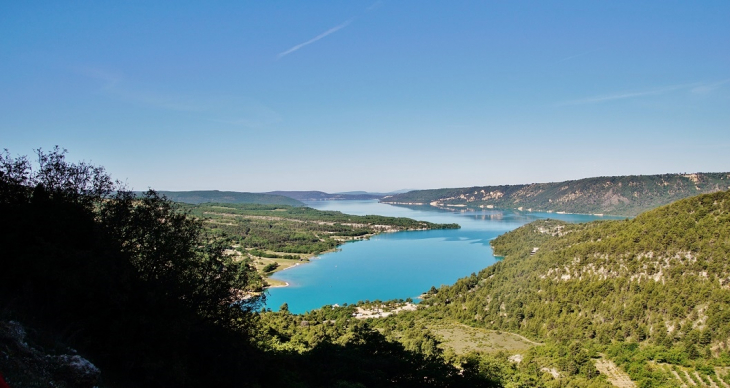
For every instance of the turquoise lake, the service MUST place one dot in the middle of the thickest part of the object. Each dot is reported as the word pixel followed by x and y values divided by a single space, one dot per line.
pixel 399 265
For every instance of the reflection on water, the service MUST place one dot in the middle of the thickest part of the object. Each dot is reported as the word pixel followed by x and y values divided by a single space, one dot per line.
pixel 492 216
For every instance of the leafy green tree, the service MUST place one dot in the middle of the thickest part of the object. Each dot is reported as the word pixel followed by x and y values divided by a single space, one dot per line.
pixel 147 293
pixel 136 281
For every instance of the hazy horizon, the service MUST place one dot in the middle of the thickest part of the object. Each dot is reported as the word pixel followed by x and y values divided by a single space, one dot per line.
pixel 432 188
pixel 368 95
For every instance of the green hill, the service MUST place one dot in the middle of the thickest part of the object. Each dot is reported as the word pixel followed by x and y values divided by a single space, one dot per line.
pixel 652 293
pixel 622 195
pixel 204 196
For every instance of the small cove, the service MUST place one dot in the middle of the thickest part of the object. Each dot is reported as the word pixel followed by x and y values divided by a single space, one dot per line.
pixel 400 265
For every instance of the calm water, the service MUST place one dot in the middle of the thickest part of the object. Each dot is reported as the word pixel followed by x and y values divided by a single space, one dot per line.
pixel 403 264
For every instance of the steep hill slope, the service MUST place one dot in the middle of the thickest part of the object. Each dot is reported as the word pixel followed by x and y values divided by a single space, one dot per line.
pixel 622 195
pixel 660 280
pixel 204 196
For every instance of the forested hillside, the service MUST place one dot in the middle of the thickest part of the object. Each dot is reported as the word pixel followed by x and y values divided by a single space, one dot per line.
pixel 620 195
pixel 204 196
pixel 652 293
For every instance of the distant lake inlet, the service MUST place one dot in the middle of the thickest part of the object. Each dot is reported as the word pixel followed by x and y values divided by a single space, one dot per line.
pixel 403 264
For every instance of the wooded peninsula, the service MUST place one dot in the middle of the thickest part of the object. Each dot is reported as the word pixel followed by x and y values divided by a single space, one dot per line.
pixel 275 237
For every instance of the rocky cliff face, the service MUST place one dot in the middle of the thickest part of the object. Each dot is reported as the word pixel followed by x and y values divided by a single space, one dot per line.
pixel 26 363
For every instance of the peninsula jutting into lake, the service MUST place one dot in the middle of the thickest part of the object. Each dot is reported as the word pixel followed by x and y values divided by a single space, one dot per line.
pixel 399 265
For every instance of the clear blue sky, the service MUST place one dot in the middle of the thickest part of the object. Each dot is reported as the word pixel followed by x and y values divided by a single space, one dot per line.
pixel 378 96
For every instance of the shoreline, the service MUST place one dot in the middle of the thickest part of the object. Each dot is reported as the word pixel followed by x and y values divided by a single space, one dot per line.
pixel 317 256
pixel 452 207
pixel 284 269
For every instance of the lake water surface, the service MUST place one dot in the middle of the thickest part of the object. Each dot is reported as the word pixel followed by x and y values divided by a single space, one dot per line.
pixel 399 265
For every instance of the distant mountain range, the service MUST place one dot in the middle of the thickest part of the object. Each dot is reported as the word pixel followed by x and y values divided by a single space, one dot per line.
pixel 373 193
pixel 621 195
pixel 203 196
pixel 618 195
pixel 322 196
pixel 292 198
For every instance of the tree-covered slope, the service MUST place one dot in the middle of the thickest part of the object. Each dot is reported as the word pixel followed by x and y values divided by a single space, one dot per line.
pixel 622 195
pixel 204 196
pixel 660 280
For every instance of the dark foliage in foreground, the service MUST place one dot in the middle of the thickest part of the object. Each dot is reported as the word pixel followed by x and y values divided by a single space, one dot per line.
pixel 136 287
pixel 133 283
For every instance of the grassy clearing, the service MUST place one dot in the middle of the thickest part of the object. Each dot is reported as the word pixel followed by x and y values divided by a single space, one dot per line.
pixel 276 282
pixel 463 339
pixel 260 263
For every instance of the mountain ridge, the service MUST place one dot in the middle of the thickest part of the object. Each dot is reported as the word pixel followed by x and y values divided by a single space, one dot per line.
pixel 203 196
pixel 314 195
pixel 615 195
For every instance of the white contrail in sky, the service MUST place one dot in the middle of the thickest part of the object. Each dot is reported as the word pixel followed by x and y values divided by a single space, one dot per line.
pixel 316 38
pixel 694 88
pixel 707 88
pixel 578 55
pixel 625 95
